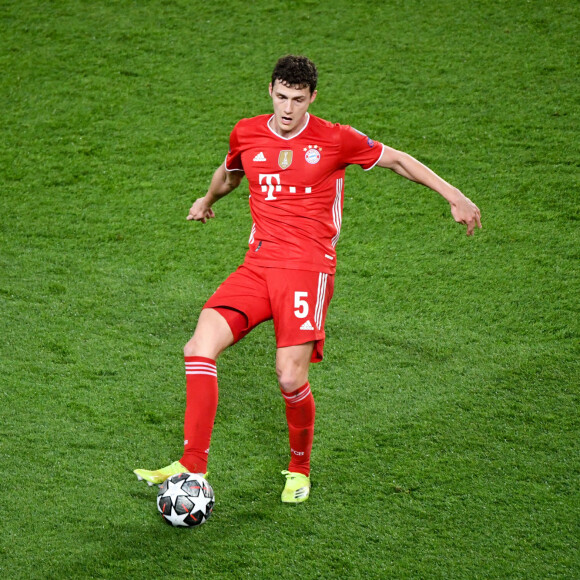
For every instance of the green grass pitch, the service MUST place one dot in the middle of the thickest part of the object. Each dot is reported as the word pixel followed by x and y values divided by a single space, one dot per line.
pixel 447 427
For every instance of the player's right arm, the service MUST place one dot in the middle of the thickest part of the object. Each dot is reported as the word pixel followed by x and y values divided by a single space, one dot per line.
pixel 222 183
pixel 463 210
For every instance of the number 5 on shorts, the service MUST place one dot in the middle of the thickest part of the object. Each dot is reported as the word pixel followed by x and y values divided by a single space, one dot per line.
pixel 300 305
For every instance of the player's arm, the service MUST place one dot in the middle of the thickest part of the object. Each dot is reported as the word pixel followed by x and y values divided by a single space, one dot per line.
pixel 222 183
pixel 463 210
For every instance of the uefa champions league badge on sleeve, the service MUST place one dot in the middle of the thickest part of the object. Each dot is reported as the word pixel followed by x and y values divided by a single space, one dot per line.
pixel 312 154
pixel 370 142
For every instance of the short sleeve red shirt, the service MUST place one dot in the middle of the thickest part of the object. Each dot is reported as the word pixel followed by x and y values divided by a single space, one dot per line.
pixel 297 188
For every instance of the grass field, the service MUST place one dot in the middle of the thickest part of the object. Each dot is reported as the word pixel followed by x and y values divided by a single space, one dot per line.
pixel 447 427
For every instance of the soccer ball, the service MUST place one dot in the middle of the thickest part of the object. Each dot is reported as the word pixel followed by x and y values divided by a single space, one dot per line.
pixel 185 500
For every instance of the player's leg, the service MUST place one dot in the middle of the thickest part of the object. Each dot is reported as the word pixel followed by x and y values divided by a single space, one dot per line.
pixel 299 306
pixel 292 364
pixel 212 336
pixel 238 305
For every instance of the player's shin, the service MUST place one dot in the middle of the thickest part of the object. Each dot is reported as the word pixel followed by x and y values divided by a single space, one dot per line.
pixel 200 411
pixel 300 413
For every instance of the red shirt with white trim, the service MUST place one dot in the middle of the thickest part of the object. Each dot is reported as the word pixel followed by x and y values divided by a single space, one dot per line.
pixel 297 188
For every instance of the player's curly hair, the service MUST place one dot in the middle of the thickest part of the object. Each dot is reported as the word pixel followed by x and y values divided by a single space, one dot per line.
pixel 296 71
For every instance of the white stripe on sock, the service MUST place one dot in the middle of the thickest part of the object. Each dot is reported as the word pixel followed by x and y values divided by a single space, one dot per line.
pixel 300 396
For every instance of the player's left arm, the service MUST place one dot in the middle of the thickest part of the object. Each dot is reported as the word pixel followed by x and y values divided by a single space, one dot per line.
pixel 463 210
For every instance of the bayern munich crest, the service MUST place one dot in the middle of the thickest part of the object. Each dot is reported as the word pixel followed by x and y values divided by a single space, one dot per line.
pixel 312 154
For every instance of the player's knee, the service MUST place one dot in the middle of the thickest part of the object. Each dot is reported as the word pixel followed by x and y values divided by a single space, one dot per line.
pixel 207 347
pixel 192 348
pixel 291 378
pixel 292 364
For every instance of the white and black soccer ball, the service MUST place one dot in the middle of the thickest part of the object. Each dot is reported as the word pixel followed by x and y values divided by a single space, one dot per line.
pixel 185 500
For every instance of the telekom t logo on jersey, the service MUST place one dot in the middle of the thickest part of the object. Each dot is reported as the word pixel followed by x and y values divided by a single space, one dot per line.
pixel 270 183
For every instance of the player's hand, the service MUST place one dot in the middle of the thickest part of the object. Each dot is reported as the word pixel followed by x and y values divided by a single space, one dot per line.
pixel 200 211
pixel 465 212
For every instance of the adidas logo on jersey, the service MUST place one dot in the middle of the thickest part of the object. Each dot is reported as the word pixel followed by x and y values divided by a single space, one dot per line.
pixel 307 326
pixel 260 157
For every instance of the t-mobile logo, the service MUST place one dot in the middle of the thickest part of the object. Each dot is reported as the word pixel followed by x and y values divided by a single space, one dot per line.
pixel 270 182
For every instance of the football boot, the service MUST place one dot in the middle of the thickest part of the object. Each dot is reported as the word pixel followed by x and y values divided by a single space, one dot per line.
pixel 158 476
pixel 297 488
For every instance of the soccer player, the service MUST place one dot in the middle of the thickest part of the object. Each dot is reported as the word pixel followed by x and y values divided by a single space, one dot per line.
pixel 295 165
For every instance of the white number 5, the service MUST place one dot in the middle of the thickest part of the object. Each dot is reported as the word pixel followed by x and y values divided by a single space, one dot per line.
pixel 300 304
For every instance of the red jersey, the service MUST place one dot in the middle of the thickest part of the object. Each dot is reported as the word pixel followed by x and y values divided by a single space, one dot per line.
pixel 297 188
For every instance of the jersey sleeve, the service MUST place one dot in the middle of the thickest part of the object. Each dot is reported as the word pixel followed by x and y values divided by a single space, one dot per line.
pixel 234 156
pixel 358 149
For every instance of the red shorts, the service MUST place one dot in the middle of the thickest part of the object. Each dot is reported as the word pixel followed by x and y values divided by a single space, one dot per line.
pixel 296 300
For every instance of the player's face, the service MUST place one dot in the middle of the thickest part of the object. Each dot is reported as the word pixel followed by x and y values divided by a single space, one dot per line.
pixel 290 107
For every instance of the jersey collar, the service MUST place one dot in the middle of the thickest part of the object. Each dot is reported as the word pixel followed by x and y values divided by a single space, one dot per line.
pixel 293 136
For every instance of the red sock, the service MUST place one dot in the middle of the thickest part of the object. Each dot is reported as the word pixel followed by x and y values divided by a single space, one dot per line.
pixel 300 411
pixel 200 410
